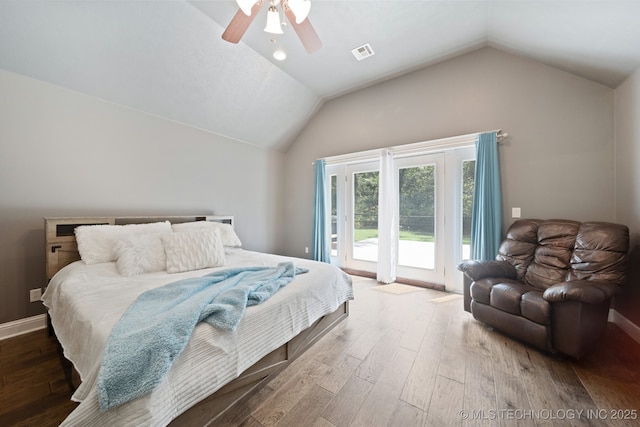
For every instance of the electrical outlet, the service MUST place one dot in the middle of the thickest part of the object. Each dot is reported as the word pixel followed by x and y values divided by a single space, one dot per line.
pixel 306 249
pixel 35 294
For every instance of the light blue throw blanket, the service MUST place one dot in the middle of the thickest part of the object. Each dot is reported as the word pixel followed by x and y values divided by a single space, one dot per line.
pixel 155 329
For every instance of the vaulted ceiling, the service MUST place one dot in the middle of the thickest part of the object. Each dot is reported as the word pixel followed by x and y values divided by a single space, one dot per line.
pixel 167 58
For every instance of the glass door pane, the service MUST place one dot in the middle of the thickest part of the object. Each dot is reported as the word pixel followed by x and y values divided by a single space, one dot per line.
pixel 420 241
pixel 468 180
pixel 365 216
pixel 416 236
pixel 333 197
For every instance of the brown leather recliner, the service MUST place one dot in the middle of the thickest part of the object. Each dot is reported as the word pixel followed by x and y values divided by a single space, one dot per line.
pixel 551 283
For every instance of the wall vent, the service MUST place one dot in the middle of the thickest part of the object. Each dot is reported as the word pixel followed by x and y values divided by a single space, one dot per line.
pixel 363 52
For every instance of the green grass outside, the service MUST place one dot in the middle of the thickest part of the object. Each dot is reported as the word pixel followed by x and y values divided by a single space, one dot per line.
pixel 364 233
pixel 368 233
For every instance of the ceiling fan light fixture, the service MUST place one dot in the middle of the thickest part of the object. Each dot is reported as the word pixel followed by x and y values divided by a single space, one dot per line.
pixel 273 21
pixel 304 30
pixel 300 9
pixel 246 5
pixel 280 55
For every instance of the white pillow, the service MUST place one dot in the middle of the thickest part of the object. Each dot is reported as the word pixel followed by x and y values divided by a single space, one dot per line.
pixel 227 234
pixel 193 250
pixel 140 253
pixel 95 242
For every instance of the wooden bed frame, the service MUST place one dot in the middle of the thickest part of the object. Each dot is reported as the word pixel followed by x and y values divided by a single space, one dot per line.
pixel 62 249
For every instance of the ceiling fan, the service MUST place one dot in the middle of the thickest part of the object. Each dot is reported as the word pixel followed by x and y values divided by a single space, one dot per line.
pixel 296 12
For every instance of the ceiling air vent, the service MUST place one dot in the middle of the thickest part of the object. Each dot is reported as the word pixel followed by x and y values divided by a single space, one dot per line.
pixel 363 52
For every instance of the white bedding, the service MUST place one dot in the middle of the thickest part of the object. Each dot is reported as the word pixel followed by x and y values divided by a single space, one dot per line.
pixel 85 301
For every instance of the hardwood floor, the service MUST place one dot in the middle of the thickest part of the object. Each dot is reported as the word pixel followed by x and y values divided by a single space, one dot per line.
pixel 406 356
pixel 33 388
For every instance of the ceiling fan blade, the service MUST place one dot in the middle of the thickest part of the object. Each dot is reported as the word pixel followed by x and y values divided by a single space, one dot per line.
pixel 239 24
pixel 305 32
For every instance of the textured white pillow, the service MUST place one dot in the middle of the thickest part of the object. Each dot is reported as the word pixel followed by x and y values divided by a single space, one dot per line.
pixel 227 234
pixel 95 242
pixel 140 253
pixel 193 250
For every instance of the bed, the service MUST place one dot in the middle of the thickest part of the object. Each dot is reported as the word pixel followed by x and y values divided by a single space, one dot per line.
pixel 217 368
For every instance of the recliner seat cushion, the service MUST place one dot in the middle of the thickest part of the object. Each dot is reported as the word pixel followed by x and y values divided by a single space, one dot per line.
pixel 481 289
pixel 512 297
pixel 507 297
pixel 535 308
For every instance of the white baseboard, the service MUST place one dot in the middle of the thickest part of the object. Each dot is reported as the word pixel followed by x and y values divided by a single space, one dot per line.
pixel 625 324
pixel 23 326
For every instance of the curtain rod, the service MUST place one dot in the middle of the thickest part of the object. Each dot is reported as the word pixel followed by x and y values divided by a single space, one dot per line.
pixel 500 136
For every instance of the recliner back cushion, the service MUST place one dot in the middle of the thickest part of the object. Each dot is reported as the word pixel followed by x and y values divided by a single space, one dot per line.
pixel 552 256
pixel 520 244
pixel 548 252
pixel 600 252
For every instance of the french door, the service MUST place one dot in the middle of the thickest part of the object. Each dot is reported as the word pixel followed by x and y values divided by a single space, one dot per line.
pixel 431 203
pixel 362 186
pixel 420 234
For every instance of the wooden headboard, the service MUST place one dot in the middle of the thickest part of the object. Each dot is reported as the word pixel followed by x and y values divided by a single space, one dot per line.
pixel 60 239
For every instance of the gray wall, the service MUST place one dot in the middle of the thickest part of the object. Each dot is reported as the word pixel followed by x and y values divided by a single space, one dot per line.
pixel 557 163
pixel 64 154
pixel 627 188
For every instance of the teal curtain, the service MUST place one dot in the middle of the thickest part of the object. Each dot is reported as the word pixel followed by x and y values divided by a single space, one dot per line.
pixel 320 242
pixel 486 217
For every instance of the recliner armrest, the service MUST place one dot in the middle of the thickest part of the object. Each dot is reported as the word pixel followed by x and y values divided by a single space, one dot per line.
pixel 586 291
pixel 479 269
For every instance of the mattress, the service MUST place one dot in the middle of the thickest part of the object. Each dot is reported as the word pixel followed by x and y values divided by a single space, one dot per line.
pixel 85 302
